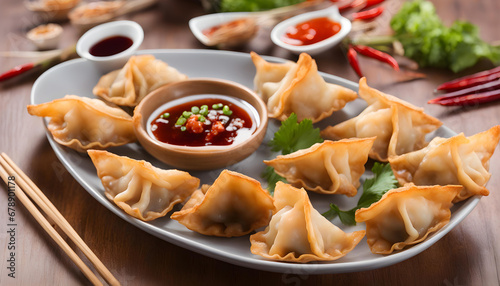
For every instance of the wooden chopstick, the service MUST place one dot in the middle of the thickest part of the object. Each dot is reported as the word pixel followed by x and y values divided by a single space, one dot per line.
pixel 39 198
pixel 47 227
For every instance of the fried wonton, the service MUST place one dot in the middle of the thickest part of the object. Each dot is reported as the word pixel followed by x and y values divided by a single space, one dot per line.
pixel 83 123
pixel 331 167
pixel 406 216
pixel 140 76
pixel 299 233
pixel 140 189
pixel 298 88
pixel 458 160
pixel 234 205
pixel 399 126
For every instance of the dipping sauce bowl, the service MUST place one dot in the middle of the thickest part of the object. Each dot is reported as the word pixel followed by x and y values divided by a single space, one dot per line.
pixel 216 153
pixel 332 13
pixel 111 37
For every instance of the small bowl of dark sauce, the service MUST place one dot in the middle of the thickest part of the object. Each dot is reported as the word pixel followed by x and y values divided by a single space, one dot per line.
pixel 201 124
pixel 110 45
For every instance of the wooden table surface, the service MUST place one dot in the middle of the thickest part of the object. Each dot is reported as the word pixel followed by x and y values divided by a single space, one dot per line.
pixel 468 255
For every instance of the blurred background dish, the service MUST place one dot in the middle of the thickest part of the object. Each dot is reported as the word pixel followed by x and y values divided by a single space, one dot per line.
pixel 45 37
pixel 52 10
pixel 91 14
pixel 230 29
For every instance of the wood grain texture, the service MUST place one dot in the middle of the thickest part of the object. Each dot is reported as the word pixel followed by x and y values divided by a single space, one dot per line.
pixel 468 255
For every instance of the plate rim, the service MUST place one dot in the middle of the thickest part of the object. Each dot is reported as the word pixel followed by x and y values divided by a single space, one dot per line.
pixel 250 262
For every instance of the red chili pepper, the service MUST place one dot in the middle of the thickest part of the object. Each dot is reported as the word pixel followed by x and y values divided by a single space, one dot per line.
pixel 352 57
pixel 373 2
pixel 471 99
pixel 16 71
pixel 471 80
pixel 344 5
pixel 368 14
pixel 494 85
pixel 365 3
pixel 378 55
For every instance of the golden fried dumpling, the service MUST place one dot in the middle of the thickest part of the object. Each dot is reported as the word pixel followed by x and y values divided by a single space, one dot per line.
pixel 458 160
pixel 90 13
pixel 140 75
pixel 140 189
pixel 406 216
pixel 268 72
pixel 83 123
pixel 331 167
pixel 399 126
pixel 298 88
pixel 234 205
pixel 299 233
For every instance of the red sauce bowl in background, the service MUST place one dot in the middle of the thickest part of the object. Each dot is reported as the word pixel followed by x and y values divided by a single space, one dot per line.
pixel 200 157
pixel 279 32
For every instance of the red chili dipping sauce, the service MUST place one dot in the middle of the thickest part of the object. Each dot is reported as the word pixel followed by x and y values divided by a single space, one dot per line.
pixel 311 31
pixel 203 122
pixel 110 46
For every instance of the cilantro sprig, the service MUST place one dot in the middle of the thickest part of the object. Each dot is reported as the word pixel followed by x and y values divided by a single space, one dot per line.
pixel 293 136
pixel 272 178
pixel 373 189
pixel 427 40
pixel 290 137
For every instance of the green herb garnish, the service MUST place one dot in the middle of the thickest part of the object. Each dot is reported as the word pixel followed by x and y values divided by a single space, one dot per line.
pixel 195 109
pixel 226 110
pixel 181 121
pixel 373 189
pixel 272 178
pixel 204 110
pixel 217 106
pixel 429 42
pixel 290 137
pixel 293 136
pixel 254 5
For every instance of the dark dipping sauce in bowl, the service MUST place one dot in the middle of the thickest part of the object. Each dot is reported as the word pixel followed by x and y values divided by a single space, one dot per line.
pixel 110 46
pixel 203 122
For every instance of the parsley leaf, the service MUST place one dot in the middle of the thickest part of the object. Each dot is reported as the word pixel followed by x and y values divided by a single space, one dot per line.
pixel 272 178
pixel 293 136
pixel 290 137
pixel 429 42
pixel 346 217
pixel 373 189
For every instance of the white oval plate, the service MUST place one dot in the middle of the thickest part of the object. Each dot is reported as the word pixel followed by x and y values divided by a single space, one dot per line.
pixel 79 77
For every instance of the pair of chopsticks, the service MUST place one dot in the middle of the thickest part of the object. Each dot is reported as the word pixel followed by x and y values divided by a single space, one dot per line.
pixel 23 187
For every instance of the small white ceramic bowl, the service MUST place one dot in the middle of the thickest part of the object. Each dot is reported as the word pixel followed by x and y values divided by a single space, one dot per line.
pixel 332 12
pixel 128 29
pixel 45 37
pixel 201 23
